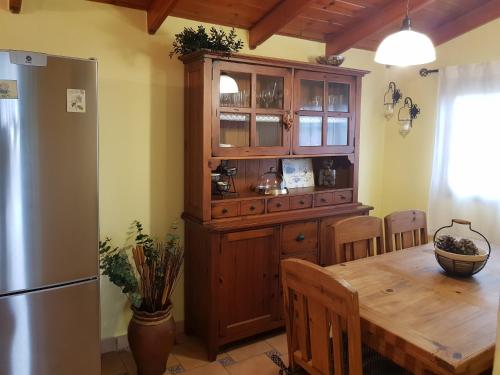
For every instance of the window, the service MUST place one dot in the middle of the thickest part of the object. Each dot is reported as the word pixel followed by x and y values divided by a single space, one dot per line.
pixel 474 147
pixel 466 168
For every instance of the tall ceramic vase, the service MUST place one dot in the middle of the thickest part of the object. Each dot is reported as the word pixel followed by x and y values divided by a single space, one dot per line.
pixel 151 337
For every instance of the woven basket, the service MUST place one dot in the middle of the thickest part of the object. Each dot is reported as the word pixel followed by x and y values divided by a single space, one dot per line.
pixel 458 264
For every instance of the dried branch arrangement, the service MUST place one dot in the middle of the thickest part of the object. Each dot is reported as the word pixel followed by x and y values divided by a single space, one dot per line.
pixel 149 274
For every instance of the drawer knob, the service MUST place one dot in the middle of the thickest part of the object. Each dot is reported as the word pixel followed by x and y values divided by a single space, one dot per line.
pixel 300 238
pixel 323 200
pixel 342 197
pixel 302 202
pixel 279 204
pixel 224 211
pixel 252 208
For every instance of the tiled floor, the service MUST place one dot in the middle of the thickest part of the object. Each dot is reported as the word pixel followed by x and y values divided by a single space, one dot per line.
pixel 189 358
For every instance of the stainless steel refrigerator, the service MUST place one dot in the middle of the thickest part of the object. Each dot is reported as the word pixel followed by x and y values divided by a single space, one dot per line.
pixel 49 275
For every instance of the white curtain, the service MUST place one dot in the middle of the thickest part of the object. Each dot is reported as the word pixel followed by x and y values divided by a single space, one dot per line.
pixel 466 168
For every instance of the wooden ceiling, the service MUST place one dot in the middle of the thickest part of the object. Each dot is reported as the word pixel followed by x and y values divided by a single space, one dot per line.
pixel 341 24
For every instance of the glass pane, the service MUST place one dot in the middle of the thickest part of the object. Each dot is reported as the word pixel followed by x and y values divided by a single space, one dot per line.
pixel 310 130
pixel 311 95
pixel 270 92
pixel 338 131
pixel 269 130
pixel 232 95
pixel 338 97
pixel 234 130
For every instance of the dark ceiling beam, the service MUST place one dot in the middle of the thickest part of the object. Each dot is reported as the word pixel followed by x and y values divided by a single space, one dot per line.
pixel 467 22
pixel 158 12
pixel 280 16
pixel 337 43
pixel 15 6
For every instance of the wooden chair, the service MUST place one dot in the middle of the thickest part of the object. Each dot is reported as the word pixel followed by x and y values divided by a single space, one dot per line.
pixel 405 229
pixel 317 308
pixel 356 237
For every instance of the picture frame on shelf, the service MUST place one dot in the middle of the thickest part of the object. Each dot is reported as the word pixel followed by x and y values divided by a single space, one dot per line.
pixel 298 173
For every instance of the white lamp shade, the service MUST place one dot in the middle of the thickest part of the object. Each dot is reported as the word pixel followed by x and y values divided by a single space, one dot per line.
pixel 404 127
pixel 405 48
pixel 227 85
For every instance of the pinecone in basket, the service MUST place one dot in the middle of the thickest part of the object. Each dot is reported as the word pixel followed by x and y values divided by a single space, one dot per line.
pixel 447 243
pixel 467 247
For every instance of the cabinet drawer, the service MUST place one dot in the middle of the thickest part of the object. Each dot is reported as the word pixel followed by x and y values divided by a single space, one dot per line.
pixel 300 201
pixel 253 207
pixel 300 237
pixel 278 204
pixel 323 199
pixel 225 209
pixel 340 197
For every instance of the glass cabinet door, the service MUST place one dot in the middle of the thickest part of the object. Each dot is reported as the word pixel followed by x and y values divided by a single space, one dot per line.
pixel 311 95
pixel 252 106
pixel 269 131
pixel 234 129
pixel 270 91
pixel 337 133
pixel 324 113
pixel 310 131
pixel 338 97
pixel 236 96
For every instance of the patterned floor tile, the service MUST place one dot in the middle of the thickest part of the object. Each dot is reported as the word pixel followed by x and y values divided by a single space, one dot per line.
pixel 191 353
pixel 246 350
pixel 177 369
pixel 214 368
pixel 226 361
pixel 278 342
pixel 260 365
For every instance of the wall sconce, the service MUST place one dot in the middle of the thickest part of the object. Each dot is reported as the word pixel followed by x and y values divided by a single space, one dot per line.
pixel 391 98
pixel 407 113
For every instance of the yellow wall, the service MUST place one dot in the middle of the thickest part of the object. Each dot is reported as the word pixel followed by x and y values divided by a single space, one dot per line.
pixel 141 113
pixel 408 162
pixel 372 128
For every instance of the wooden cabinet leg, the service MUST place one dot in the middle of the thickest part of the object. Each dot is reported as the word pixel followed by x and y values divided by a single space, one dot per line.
pixel 213 350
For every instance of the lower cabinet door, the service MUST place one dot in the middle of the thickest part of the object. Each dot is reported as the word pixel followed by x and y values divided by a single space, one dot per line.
pixel 248 282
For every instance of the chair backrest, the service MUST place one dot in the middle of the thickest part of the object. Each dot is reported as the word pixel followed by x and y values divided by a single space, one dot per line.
pixel 356 237
pixel 405 229
pixel 321 312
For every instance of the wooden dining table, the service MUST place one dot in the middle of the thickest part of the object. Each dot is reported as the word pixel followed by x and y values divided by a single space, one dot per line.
pixel 421 318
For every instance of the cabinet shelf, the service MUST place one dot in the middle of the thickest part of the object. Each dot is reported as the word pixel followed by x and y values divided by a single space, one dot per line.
pixel 249 195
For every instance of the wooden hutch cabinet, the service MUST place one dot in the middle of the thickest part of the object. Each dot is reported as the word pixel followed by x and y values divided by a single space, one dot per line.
pixel 234 241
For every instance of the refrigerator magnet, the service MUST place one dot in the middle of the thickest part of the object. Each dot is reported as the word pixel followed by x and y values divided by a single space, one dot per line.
pixel 75 101
pixel 8 89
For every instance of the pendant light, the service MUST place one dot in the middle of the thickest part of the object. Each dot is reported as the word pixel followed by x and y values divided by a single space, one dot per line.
pixel 227 84
pixel 406 47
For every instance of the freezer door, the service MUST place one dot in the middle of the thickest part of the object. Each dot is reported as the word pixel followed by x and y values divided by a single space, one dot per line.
pixel 51 332
pixel 48 172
